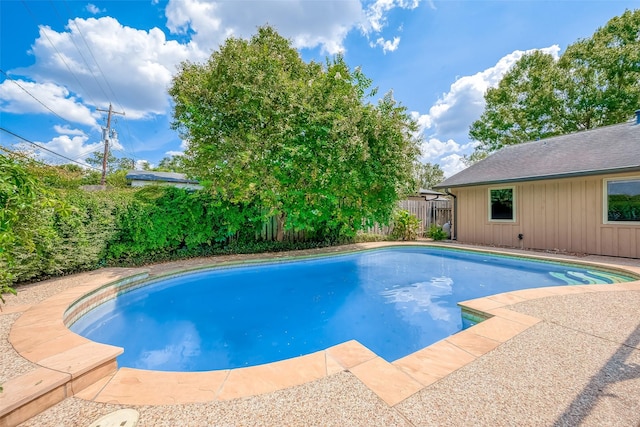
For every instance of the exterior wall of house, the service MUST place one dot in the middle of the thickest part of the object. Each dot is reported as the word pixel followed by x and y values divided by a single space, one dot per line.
pixel 140 183
pixel 559 214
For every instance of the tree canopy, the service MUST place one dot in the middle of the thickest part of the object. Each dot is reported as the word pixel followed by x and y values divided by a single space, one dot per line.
pixel 299 140
pixel 596 82
pixel 428 175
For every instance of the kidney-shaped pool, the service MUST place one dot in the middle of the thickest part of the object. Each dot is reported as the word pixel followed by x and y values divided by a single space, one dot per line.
pixel 395 301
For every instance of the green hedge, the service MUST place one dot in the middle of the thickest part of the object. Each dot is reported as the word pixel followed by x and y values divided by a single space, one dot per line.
pixel 49 227
pixel 70 237
pixel 88 230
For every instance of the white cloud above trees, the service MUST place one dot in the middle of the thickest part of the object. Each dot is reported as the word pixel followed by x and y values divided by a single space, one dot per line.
pixel 308 23
pixel 449 118
pixel 26 97
pixel 138 64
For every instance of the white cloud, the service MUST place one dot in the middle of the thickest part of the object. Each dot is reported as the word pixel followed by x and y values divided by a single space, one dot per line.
pixel 387 45
pixel 452 164
pixel 377 12
pixel 434 148
pixel 309 24
pixel 174 153
pixel 142 164
pixel 24 97
pixel 455 110
pixel 136 64
pixel 93 9
pixel 65 130
pixel 73 144
pixel 453 113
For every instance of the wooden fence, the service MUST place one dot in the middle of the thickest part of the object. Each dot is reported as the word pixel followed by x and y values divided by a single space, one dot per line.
pixel 428 212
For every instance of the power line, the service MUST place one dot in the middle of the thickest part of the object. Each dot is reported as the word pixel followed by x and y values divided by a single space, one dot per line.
pixel 15 153
pixel 80 52
pixel 56 114
pixel 59 54
pixel 104 77
pixel 46 149
pixel 71 71
pixel 29 93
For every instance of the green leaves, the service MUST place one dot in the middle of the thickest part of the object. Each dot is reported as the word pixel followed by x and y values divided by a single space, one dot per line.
pixel 596 82
pixel 405 225
pixel 299 140
pixel 428 175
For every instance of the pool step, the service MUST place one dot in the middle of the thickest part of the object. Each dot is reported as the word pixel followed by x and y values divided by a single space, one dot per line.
pixel 34 392
pixel 67 363
pixel 28 395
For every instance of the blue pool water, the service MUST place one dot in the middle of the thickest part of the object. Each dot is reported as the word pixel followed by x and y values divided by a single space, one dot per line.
pixel 394 301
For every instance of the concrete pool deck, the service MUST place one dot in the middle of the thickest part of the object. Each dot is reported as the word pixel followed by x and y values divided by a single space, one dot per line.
pixel 549 356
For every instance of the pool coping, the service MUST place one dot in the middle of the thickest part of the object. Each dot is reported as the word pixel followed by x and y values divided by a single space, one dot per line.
pixel 70 365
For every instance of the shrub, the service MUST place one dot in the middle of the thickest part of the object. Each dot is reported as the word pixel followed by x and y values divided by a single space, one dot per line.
pixel 436 232
pixel 405 226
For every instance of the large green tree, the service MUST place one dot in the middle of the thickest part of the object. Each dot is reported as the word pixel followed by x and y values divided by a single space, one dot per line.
pixel 299 140
pixel 428 175
pixel 596 82
pixel 171 164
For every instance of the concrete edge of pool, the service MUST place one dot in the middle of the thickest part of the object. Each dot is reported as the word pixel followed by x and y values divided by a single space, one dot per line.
pixel 70 365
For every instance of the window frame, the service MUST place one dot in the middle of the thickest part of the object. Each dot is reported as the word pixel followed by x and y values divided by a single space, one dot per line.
pixel 605 200
pixel 513 201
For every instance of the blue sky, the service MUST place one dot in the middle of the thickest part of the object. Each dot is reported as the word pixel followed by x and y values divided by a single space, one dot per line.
pixel 63 60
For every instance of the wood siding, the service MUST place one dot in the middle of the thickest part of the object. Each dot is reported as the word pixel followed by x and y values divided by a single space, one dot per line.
pixel 560 214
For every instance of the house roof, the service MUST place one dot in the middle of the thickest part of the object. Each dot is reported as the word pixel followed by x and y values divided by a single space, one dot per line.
pixel 159 176
pixel 425 192
pixel 607 149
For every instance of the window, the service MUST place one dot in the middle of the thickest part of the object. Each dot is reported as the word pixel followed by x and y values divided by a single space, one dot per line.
pixel 501 204
pixel 622 200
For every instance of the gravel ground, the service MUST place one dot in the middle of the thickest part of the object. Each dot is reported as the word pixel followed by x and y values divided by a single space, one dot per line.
pixel 13 365
pixel 547 376
pixel 338 400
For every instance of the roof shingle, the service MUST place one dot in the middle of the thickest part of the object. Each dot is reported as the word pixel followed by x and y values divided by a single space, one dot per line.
pixel 613 148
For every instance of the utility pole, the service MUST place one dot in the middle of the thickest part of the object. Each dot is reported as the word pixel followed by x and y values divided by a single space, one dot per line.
pixel 107 135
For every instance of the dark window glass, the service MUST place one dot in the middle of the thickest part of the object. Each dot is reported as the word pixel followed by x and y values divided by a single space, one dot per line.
pixel 623 200
pixel 502 204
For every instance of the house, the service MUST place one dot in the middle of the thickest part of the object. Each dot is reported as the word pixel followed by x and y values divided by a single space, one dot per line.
pixel 429 195
pixel 142 178
pixel 578 193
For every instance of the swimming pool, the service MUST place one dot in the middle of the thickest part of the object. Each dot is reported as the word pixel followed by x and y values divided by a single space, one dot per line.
pixel 394 301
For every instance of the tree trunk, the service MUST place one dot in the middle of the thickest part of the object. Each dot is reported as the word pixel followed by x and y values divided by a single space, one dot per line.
pixel 280 231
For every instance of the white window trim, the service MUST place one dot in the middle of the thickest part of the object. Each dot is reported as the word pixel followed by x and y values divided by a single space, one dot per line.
pixel 605 200
pixel 513 192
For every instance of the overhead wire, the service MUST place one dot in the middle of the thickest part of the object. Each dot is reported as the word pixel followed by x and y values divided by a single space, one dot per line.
pixel 15 153
pixel 46 149
pixel 33 96
pixel 74 75
pixel 80 52
pixel 104 77
pixel 59 54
